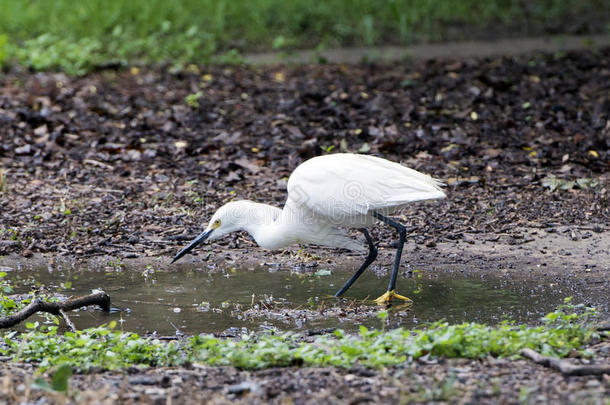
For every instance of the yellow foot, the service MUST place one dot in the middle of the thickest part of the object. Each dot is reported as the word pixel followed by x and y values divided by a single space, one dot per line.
pixel 386 298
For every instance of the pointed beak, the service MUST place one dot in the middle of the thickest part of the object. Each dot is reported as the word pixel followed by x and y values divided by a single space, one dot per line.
pixel 199 239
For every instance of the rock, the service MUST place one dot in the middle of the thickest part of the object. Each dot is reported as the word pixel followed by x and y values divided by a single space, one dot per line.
pixel 23 150
pixel 246 387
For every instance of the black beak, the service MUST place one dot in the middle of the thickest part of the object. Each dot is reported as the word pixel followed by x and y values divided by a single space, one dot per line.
pixel 191 246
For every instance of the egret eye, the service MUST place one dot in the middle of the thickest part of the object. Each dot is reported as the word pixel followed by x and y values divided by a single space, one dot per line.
pixel 216 223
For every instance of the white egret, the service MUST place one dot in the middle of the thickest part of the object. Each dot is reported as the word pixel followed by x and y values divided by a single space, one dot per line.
pixel 326 193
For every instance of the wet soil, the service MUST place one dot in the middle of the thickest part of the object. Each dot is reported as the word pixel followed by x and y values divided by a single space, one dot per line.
pixel 117 166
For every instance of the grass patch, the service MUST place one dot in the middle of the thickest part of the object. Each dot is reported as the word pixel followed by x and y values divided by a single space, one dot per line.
pixel 78 36
pixel 562 331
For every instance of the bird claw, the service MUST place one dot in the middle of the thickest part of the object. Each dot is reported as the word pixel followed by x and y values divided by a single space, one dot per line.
pixel 386 298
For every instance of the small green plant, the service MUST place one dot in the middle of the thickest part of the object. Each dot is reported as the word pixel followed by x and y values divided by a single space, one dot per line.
pixel 14 234
pixel 442 391
pixel 195 197
pixel 369 32
pixel 60 380
pixel 49 51
pixel 192 100
pixel 3 49
pixel 5 285
pixel 383 317
pixel 438 391
pixel 115 264
pixel 230 57
pixel 7 304
pixel 63 209
pixel 327 149
pixel 525 394
pixel 279 42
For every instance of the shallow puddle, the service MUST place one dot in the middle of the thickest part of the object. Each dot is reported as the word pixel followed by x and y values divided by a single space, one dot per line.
pixel 197 299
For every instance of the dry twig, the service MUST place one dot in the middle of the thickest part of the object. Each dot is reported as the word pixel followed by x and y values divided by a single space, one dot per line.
pixel 67 320
pixel 564 367
pixel 100 299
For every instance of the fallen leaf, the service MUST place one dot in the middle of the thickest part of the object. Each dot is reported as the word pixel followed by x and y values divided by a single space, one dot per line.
pixel 364 148
pixel 247 164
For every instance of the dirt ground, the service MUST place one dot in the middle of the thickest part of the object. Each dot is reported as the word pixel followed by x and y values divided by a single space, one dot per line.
pixel 119 163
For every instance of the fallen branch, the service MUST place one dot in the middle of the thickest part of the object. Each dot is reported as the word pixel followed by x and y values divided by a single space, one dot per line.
pixel 100 299
pixel 565 368
pixel 67 320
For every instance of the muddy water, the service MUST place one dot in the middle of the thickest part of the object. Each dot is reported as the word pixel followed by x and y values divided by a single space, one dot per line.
pixel 194 300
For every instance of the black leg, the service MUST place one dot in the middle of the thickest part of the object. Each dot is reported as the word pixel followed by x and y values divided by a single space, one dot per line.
pixel 402 232
pixel 369 259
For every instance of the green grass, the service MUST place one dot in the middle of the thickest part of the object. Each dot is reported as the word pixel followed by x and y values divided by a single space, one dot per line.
pixel 562 331
pixel 77 36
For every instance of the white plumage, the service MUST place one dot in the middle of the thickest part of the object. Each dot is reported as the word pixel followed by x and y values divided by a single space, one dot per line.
pixel 351 185
pixel 325 194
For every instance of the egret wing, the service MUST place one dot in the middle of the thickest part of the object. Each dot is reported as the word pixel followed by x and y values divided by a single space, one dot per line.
pixel 341 186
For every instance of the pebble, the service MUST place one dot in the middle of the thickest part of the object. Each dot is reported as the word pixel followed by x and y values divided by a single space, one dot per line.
pixel 246 387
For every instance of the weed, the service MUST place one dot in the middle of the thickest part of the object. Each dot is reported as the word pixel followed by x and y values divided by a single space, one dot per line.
pixel 440 391
pixel 194 197
pixel 49 51
pixel 115 264
pixel 230 57
pixel 192 100
pixel 14 234
pixel 525 394
pixel 7 304
pixel 564 330
pixel 327 149
pixel 59 381
pixel 383 317
pixel 63 209
pixel 3 50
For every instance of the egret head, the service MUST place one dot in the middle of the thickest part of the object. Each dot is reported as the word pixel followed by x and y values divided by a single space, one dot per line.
pixel 228 218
